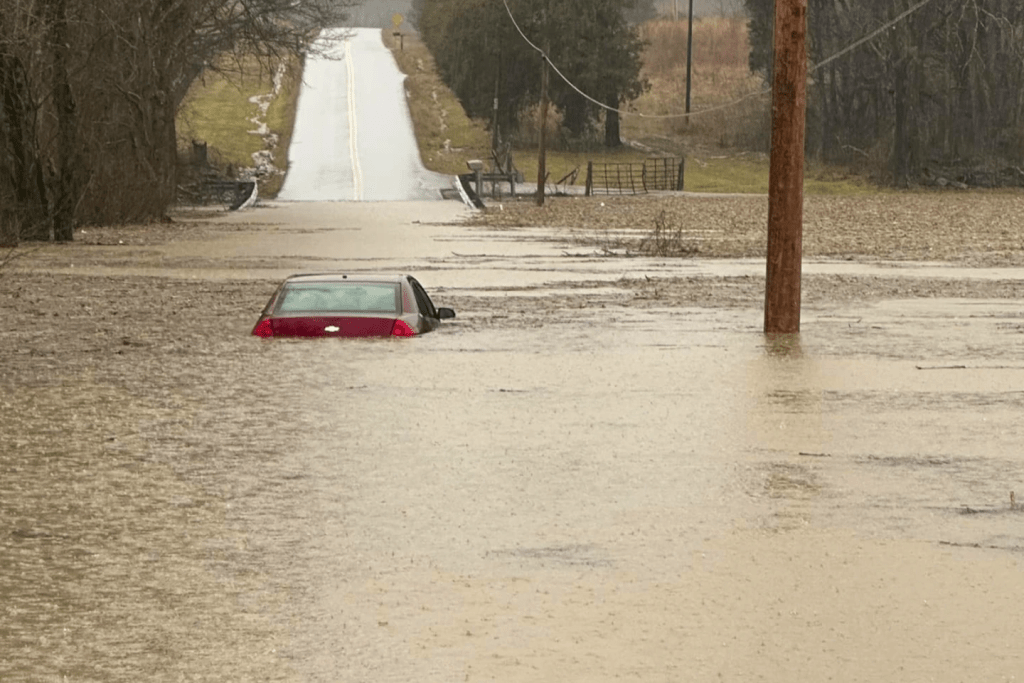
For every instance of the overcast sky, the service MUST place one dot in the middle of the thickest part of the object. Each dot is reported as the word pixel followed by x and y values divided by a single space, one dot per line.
pixel 378 13
pixel 701 7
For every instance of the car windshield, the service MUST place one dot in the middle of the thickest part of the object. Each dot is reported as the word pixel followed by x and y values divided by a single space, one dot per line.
pixel 339 297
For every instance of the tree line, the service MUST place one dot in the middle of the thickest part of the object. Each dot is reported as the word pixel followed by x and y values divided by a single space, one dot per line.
pixel 939 94
pixel 496 74
pixel 89 90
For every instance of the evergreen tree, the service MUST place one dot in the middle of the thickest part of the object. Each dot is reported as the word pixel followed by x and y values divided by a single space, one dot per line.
pixel 481 55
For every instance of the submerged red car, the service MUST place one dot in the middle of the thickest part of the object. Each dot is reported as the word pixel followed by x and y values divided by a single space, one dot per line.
pixel 343 305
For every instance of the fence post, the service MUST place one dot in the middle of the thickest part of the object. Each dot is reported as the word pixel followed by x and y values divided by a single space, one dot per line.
pixel 590 179
pixel 682 173
pixel 200 153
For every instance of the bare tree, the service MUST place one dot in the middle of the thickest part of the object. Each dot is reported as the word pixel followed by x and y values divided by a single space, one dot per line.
pixel 89 90
pixel 940 91
pixel 22 184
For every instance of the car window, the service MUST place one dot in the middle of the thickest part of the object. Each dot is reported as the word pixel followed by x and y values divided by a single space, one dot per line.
pixel 423 301
pixel 339 297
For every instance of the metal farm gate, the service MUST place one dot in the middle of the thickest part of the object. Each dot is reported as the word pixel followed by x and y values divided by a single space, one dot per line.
pixel 656 173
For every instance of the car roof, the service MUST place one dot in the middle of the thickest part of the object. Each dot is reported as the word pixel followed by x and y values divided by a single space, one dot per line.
pixel 393 278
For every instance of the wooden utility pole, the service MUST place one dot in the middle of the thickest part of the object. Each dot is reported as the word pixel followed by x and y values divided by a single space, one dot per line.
pixel 689 60
pixel 786 176
pixel 542 173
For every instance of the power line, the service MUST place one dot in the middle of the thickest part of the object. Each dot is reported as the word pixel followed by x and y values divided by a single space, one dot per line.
pixel 727 105
pixel 873 34
pixel 550 63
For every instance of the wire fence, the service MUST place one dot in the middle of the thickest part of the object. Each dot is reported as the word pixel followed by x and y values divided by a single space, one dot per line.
pixel 654 174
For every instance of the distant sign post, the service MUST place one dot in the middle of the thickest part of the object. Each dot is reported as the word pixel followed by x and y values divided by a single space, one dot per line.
pixel 397 20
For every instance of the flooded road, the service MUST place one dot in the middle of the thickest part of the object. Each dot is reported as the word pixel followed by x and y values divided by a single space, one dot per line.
pixel 569 482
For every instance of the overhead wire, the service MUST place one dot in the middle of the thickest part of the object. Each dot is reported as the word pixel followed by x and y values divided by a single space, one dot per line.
pixel 757 93
pixel 885 27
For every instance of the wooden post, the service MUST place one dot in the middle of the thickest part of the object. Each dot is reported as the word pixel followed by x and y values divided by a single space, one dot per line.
pixel 200 153
pixel 494 120
pixel 689 60
pixel 542 173
pixel 590 179
pixel 786 175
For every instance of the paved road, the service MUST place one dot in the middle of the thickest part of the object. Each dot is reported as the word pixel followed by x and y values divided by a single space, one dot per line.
pixel 353 138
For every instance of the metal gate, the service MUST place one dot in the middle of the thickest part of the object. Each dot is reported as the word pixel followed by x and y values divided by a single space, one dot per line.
pixel 656 173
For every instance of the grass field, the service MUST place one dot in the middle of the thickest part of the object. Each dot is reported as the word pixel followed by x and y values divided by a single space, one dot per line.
pixel 447 137
pixel 219 111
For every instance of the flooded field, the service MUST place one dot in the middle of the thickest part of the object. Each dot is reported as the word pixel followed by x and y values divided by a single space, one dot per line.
pixel 587 476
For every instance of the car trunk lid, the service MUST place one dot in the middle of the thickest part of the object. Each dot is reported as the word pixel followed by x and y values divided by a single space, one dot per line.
pixel 333 326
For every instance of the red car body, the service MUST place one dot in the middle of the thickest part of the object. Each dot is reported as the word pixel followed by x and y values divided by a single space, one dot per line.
pixel 343 305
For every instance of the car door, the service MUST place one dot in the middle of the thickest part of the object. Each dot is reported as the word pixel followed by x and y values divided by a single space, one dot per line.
pixel 428 314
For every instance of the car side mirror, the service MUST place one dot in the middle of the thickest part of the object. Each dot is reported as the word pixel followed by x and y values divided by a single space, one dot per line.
pixel 445 314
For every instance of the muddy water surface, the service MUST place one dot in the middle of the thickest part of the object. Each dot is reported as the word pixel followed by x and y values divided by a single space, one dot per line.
pixel 653 492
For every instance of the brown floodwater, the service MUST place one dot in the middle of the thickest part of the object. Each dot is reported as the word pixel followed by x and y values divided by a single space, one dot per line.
pixel 538 491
